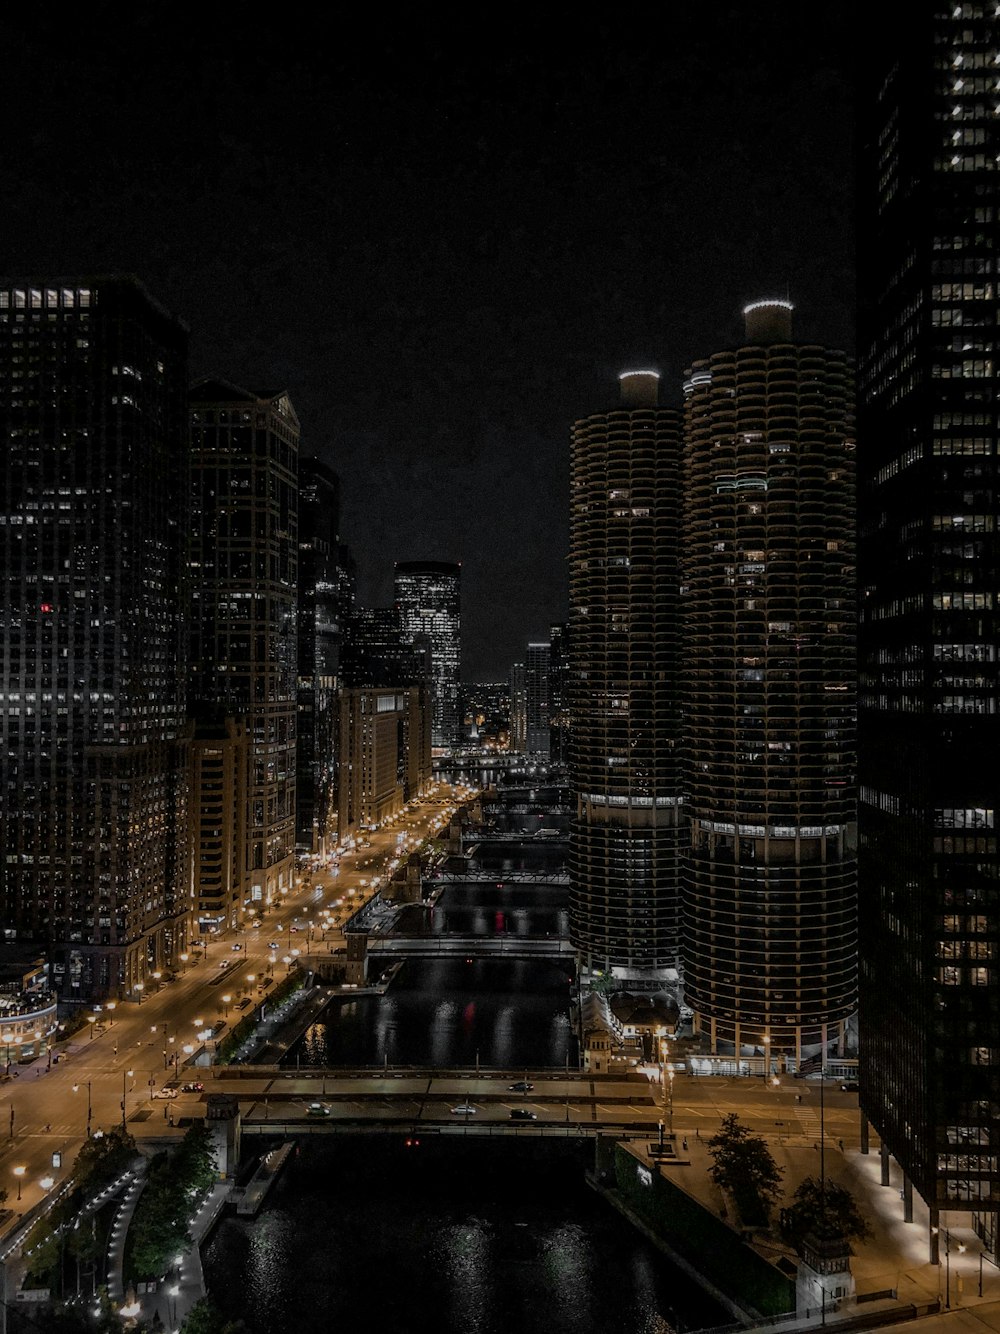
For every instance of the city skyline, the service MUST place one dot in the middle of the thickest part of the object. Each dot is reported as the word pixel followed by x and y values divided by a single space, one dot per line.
pixel 445 253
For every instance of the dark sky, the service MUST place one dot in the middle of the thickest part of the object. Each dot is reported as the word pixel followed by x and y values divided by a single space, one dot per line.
pixel 444 237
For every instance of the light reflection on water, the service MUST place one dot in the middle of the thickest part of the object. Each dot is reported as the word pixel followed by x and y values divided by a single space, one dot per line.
pixel 466 1237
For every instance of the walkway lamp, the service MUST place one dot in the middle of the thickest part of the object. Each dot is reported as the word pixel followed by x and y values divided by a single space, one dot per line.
pixel 76 1089
pixel 19 1172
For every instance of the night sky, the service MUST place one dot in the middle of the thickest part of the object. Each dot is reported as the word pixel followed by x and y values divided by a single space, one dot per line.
pixel 444 237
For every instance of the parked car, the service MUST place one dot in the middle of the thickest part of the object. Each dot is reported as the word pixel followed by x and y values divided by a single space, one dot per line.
pixel 522 1114
pixel 164 1093
pixel 192 1088
pixel 317 1109
pixel 463 1109
pixel 852 1086
pixel 522 1086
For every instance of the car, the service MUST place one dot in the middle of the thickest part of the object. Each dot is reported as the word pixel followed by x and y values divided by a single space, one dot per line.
pixel 852 1086
pixel 242 1005
pixel 225 963
pixel 317 1109
pixel 192 1088
pixel 235 947
pixel 463 1109
pixel 522 1086
pixel 293 928
pixel 272 944
pixel 164 1093
pixel 522 1114
pixel 256 922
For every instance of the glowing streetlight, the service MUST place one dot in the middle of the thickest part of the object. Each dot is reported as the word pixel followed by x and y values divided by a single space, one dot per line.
pixel 76 1089
pixel 19 1172
pixel 111 1006
pixel 92 1021
pixel 139 988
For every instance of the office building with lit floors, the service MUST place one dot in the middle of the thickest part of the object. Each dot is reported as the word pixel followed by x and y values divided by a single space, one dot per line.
pixel 770 879
pixel 242 571
pixel 92 733
pixel 385 754
pixel 929 706
pixel 429 602
pixel 622 686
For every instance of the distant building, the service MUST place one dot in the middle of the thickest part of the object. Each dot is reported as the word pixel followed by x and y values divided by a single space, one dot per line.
pixel 93 821
pixel 243 555
pixel 624 684
pixel 320 636
pixel 538 701
pixel 429 600
pixel 929 707
pixel 218 816
pixel 385 753
pixel 487 714
pixel 518 708
pixel 770 880
pixel 378 653
pixel 559 718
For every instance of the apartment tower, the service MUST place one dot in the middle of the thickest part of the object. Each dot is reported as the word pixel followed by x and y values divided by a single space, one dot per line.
pixel 929 717
pixel 92 810
pixel 243 550
pixel 622 687
pixel 429 602
pixel 770 879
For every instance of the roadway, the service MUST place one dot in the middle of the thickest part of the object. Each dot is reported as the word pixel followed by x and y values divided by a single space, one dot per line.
pixel 137 1048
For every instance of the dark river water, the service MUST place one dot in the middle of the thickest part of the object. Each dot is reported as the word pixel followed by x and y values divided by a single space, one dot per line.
pixel 453 1236
pixel 365 1234
pixel 445 1012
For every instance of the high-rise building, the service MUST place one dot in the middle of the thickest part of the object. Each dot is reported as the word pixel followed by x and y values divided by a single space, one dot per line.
pixel 623 683
pixel 929 706
pixel 769 925
pixel 377 653
pixel 559 713
pixel 538 697
pixel 242 555
pixel 92 806
pixel 428 599
pixel 320 631
pixel 217 808
pixel 518 708
pixel 385 753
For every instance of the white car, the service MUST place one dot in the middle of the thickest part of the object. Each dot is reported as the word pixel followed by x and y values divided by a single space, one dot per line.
pixel 164 1093
pixel 464 1109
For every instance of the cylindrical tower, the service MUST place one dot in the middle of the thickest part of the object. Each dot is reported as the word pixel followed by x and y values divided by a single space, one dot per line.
pixel 623 660
pixel 770 881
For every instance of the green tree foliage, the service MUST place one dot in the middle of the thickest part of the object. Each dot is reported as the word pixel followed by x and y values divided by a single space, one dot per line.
pixel 102 1158
pixel 206 1318
pixel 743 1165
pixel 828 1214
pixel 159 1228
pixel 603 984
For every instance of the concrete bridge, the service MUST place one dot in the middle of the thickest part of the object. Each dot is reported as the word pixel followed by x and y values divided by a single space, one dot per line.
pixel 443 946
pixel 500 878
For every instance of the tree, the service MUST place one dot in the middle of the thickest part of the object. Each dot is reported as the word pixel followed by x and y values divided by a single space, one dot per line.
pixel 206 1318
pixel 828 1214
pixel 194 1161
pixel 743 1165
pixel 603 984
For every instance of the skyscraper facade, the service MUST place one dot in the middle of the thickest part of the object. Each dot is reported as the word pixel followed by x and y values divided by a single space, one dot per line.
pixel 92 382
pixel 320 635
pixel 518 708
pixel 429 602
pixel 539 700
pixel 243 552
pixel 623 683
pixel 929 717
pixel 769 930
pixel 385 753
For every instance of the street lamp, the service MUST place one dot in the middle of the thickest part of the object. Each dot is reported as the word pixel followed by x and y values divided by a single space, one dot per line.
pixel 92 1021
pixel 126 1074
pixel 225 1004
pixel 111 1006
pixel 8 1039
pixel 184 959
pixel 156 979
pixel 76 1089
pixel 19 1173
pixel 139 988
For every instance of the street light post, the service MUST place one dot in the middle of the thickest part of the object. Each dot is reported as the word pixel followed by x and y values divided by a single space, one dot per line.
pixel 76 1089
pixel 126 1074
pixel 19 1172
